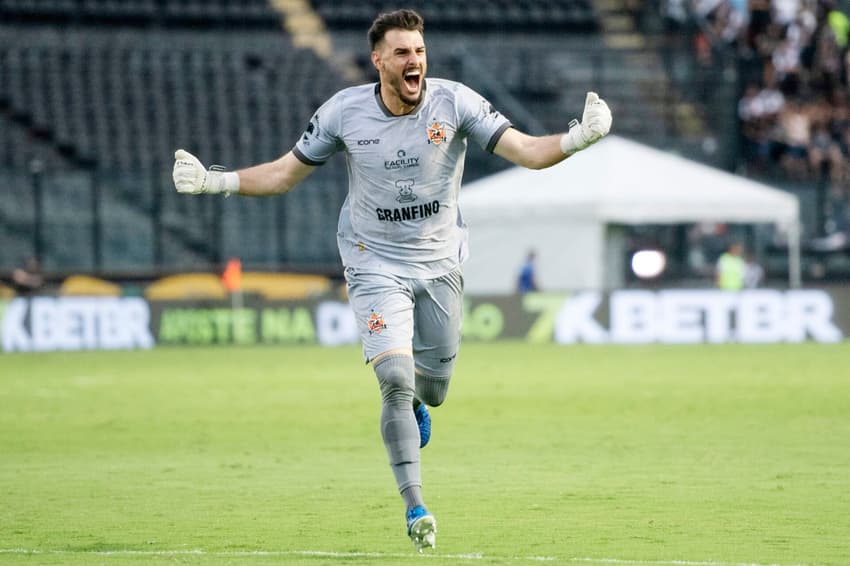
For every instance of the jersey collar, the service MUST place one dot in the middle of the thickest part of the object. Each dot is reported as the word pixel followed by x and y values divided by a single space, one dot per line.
pixel 386 110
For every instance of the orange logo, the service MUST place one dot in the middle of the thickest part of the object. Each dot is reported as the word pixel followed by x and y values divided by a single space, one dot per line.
pixel 436 133
pixel 376 323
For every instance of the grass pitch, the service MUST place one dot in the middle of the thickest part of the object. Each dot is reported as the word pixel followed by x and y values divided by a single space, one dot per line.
pixel 705 455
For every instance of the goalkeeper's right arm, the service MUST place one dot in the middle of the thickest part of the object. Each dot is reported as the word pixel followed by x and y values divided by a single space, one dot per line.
pixel 279 176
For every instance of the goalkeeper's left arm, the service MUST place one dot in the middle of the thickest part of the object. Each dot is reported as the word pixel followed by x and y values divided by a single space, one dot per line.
pixel 540 152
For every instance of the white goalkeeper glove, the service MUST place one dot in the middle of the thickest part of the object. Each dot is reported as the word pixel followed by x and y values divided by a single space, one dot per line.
pixel 190 176
pixel 595 123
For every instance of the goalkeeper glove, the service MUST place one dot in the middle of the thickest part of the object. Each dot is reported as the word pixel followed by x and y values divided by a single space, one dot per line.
pixel 190 176
pixel 595 123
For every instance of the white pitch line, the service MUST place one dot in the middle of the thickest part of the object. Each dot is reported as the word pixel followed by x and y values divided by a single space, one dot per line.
pixel 247 553
pixel 332 554
pixel 672 562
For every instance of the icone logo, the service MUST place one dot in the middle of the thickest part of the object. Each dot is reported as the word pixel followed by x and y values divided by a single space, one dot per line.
pixel 368 142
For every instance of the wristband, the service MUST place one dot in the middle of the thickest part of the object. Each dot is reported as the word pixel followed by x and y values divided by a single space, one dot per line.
pixel 230 182
pixel 220 181
pixel 569 144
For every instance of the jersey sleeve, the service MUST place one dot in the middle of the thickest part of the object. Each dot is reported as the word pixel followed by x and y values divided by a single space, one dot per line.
pixel 321 138
pixel 479 119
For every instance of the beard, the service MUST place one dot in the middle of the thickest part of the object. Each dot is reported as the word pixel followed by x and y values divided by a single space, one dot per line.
pixel 397 84
pixel 411 101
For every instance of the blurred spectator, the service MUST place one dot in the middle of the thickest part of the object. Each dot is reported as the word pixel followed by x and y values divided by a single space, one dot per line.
pixel 839 24
pixel 837 213
pixel 795 132
pixel 795 66
pixel 28 279
pixel 784 11
pixel 786 65
pixel 758 110
pixel 822 150
pixel 730 268
pixel 753 273
pixel 527 279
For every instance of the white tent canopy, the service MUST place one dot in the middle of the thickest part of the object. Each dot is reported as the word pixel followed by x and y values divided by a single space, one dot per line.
pixel 566 212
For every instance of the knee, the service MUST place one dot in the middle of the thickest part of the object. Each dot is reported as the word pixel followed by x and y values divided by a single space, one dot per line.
pixel 395 377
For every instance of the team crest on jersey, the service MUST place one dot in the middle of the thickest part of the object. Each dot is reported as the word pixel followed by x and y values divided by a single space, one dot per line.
pixel 376 323
pixel 437 133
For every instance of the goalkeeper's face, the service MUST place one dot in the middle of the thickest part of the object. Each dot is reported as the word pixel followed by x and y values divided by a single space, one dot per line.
pixel 401 63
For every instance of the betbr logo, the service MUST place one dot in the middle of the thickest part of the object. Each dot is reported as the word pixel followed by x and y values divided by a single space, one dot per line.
pixel 76 323
pixel 682 316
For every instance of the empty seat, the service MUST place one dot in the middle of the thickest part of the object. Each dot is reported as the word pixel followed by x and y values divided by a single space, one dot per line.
pixel 186 286
pixel 88 286
pixel 285 286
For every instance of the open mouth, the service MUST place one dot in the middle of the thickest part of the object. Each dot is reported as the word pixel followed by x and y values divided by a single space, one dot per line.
pixel 412 79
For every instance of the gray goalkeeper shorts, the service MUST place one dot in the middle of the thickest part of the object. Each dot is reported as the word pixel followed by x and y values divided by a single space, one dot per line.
pixel 395 312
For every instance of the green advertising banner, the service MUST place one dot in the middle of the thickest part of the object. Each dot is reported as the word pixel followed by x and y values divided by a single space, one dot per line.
pixel 620 317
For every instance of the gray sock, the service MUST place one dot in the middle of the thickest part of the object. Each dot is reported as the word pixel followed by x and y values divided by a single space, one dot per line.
pixel 432 390
pixel 412 497
pixel 398 425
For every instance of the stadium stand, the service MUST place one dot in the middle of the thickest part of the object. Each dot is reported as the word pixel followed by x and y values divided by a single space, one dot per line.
pixel 177 13
pixel 119 101
pixel 470 16
pixel 114 101
pixel 123 99
pixel 793 107
pixel 95 95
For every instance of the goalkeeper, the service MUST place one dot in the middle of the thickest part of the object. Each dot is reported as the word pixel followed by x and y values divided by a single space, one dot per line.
pixel 401 236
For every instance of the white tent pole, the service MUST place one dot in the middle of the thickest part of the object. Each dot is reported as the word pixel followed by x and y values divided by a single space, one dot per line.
pixel 794 269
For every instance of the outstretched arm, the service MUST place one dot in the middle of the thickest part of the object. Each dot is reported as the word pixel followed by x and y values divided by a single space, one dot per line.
pixel 274 177
pixel 539 152
pixel 528 151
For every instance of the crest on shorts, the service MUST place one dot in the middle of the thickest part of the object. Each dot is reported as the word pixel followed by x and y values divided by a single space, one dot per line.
pixel 376 323
pixel 436 133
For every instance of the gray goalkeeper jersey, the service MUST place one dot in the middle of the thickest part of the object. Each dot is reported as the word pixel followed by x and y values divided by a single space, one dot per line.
pixel 401 214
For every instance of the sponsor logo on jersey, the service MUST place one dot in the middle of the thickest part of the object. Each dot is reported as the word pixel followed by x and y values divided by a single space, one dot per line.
pixel 405 190
pixel 375 323
pixel 436 133
pixel 414 212
pixel 402 161
pixel 375 141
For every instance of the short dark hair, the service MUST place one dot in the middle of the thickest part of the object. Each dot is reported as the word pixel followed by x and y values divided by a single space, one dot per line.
pixel 399 19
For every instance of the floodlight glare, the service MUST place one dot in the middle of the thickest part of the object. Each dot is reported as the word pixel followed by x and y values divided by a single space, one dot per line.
pixel 647 264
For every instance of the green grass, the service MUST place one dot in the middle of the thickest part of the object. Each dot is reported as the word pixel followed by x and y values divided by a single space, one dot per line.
pixel 725 454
